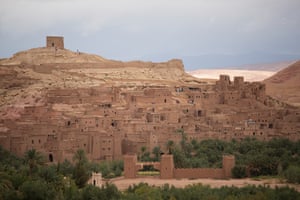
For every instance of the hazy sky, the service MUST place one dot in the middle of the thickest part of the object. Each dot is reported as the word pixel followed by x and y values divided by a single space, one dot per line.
pixel 203 33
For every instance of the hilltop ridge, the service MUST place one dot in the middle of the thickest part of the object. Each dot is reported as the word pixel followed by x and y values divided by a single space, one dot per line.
pixel 285 84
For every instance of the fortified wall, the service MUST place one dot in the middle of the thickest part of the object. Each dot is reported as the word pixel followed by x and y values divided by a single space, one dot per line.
pixel 168 171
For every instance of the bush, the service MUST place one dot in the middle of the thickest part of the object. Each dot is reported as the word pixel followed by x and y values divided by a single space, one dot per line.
pixel 239 171
pixel 292 174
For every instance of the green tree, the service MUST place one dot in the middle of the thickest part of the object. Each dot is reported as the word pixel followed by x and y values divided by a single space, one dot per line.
pixel 292 174
pixel 239 172
pixel 5 184
pixel 80 173
pixel 66 168
pixel 37 190
pixel 34 159
pixel 170 146
pixel 156 152
pixel 145 155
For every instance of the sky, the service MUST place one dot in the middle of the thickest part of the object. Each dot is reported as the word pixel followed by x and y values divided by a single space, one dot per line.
pixel 203 33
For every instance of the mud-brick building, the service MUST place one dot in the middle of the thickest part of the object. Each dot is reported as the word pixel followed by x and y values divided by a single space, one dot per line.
pixel 110 121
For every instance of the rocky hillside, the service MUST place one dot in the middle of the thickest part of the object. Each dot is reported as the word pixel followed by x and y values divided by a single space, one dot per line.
pixel 285 84
pixel 27 75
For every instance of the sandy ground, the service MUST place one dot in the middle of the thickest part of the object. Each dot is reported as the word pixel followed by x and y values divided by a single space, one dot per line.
pixel 123 183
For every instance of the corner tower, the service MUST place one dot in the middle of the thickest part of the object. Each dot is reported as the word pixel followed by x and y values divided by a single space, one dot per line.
pixel 55 41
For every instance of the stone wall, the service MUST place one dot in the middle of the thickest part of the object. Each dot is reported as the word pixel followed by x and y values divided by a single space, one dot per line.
pixel 168 171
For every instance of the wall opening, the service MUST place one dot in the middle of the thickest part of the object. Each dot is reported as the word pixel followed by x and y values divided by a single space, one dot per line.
pixel 270 125
pixel 50 157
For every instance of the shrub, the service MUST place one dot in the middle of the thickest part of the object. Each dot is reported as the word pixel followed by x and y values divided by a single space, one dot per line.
pixel 239 171
pixel 292 174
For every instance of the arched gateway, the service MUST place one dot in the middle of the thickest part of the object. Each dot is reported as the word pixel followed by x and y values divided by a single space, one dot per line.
pixel 167 170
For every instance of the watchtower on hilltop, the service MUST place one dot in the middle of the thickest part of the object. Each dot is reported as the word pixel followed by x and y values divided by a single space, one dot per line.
pixel 55 41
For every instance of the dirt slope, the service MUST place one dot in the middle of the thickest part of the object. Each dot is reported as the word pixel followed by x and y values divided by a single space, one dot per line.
pixel 285 84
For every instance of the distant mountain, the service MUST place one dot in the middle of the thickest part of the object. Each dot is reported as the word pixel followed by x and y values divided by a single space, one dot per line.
pixel 285 84
pixel 249 75
pixel 251 72
pixel 275 66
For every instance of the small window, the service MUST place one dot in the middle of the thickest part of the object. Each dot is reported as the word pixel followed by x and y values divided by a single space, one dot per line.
pixel 50 157
pixel 52 44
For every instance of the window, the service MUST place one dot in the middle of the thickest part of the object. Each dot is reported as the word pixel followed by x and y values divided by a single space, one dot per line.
pixel 50 157
pixel 270 125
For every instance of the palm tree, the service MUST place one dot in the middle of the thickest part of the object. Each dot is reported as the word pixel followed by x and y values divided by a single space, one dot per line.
pixel 156 151
pixel 5 183
pixel 34 159
pixel 79 157
pixel 170 146
pixel 80 173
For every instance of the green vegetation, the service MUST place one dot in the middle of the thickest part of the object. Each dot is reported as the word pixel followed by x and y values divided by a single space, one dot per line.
pixel 253 157
pixel 144 191
pixel 31 178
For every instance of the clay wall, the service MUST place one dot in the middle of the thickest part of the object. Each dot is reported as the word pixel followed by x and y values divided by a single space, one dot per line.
pixel 199 173
pixel 167 170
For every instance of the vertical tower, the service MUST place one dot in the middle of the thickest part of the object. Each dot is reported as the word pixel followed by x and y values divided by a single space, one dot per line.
pixel 130 166
pixel 238 81
pixel 228 164
pixel 223 82
pixel 166 167
pixel 55 41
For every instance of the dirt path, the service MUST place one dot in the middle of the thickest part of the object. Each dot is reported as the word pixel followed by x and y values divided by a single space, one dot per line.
pixel 123 183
